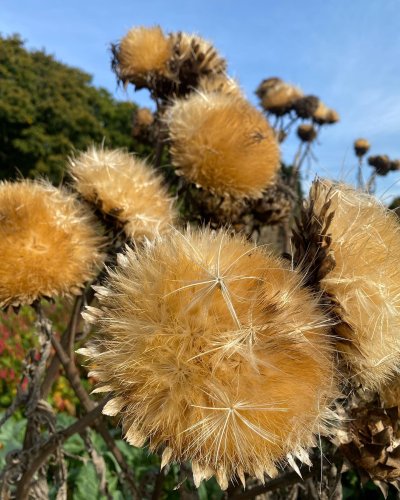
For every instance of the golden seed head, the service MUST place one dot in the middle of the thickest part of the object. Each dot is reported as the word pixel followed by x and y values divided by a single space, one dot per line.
pixel 365 282
pixel 223 144
pixel 214 352
pixel 142 54
pixel 361 147
pixel 277 96
pixel 124 187
pixel 49 243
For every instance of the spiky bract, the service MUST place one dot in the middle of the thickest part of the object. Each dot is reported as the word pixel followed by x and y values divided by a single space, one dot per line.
pixel 223 144
pixel 277 96
pixel 125 188
pixel 365 282
pixel 142 55
pixel 214 353
pixel 49 243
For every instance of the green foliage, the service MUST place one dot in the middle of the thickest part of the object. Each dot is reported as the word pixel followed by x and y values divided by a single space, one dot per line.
pixel 47 109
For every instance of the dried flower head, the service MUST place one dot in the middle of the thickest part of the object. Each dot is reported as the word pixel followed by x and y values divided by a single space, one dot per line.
pixel 142 55
pixel 277 96
pixel 125 188
pixel 222 143
pixel 193 58
pixel 306 132
pixel 49 243
pixel 361 147
pixel 383 164
pixel 365 282
pixel 306 106
pixel 214 353
pixel 324 115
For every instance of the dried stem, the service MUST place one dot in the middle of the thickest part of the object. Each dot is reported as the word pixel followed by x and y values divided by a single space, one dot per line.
pixel 45 450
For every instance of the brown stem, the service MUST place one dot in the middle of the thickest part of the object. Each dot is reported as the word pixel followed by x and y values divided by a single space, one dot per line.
pixel 73 376
pixel 287 479
pixel 50 446
pixel 67 341
pixel 157 491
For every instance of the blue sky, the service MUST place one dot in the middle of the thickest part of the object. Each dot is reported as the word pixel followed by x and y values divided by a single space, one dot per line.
pixel 345 51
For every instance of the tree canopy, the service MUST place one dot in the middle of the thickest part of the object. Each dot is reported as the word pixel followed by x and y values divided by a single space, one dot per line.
pixel 48 109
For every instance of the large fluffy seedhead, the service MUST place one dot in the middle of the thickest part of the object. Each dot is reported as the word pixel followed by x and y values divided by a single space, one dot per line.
pixel 142 55
pixel 214 353
pixel 125 188
pixel 277 96
pixel 365 282
pixel 222 143
pixel 49 243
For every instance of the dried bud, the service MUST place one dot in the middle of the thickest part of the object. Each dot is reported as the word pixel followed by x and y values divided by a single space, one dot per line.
pixel 306 132
pixel 277 96
pixel 361 147
pixel 306 106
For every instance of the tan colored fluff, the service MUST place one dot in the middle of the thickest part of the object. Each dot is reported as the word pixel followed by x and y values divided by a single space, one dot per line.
pixel 49 243
pixel 277 96
pixel 365 281
pixel 214 353
pixel 143 52
pixel 124 187
pixel 219 83
pixel 223 144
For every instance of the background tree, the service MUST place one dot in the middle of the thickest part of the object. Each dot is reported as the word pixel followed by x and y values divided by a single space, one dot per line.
pixel 47 109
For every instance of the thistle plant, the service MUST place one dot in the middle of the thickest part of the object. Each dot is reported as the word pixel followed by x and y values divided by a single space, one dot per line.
pixel 222 351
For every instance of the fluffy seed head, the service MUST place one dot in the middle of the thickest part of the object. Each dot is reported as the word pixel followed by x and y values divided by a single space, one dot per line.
pixel 125 188
pixel 277 96
pixel 49 243
pixel 142 54
pixel 365 282
pixel 215 352
pixel 361 147
pixel 223 144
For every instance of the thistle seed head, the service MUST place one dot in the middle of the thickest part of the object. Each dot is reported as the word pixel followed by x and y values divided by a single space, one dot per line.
pixel 223 144
pixel 49 243
pixel 125 188
pixel 215 353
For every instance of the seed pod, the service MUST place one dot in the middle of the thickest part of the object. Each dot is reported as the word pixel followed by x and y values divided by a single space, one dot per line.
pixel 306 106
